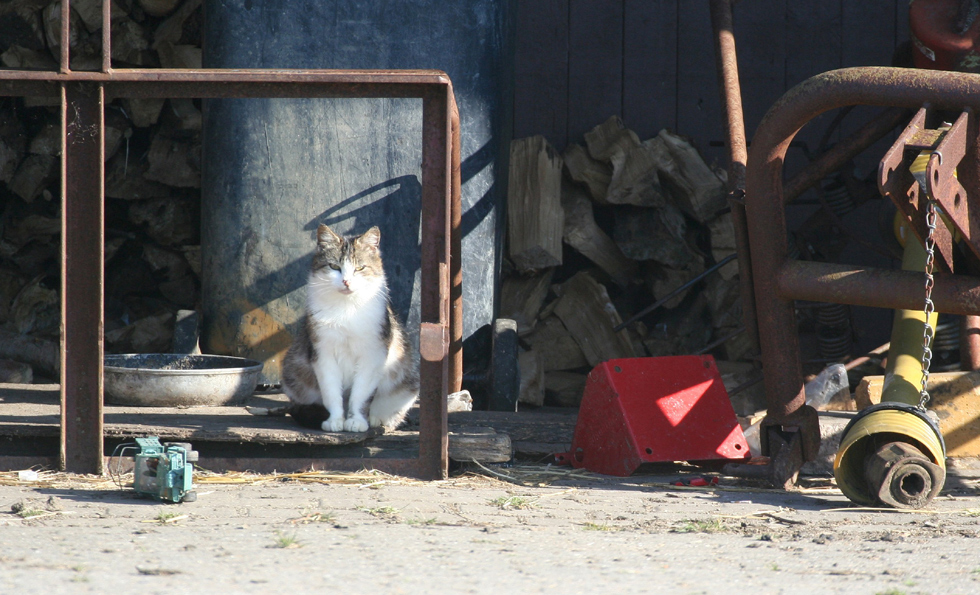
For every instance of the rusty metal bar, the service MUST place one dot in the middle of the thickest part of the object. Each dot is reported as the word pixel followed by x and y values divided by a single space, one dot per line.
pixel 83 97
pixel 82 274
pixel 456 267
pixel 842 152
pixel 731 96
pixel 775 289
pixel 65 37
pixel 877 288
pixel 438 110
pixel 970 343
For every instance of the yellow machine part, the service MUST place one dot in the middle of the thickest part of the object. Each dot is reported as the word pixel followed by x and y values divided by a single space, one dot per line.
pixel 886 425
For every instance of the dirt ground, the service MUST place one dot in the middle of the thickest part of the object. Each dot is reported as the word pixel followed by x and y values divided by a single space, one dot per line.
pixel 559 532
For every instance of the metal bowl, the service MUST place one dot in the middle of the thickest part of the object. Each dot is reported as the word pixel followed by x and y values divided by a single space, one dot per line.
pixel 178 380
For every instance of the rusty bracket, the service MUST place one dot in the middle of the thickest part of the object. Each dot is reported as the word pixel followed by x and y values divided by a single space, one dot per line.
pixel 897 183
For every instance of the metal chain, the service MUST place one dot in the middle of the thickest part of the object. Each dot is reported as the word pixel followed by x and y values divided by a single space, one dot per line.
pixel 932 217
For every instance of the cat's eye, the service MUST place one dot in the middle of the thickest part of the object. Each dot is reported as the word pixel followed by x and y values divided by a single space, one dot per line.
pixel 360 268
pixel 335 267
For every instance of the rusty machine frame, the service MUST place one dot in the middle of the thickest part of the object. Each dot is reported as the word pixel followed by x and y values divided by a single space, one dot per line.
pixel 83 98
pixel 792 434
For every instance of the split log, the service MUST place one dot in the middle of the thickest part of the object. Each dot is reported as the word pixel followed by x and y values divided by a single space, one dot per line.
pixel 609 138
pixel 193 256
pixel 125 179
pixel 48 140
pixel 172 30
pixel 23 58
pixel 13 372
pixel 143 112
pixel 177 285
pixel 11 282
pixel 174 162
pixel 12 144
pixel 723 243
pixel 468 444
pixel 693 184
pixel 51 21
pixel 555 346
pixel 662 280
pixel 43 355
pixel 636 178
pixel 750 400
pixel 158 8
pixel 686 330
pixel 20 24
pixel 521 299
pixel 179 56
pixel 534 213
pixel 130 43
pixel 153 334
pixel 170 222
pixel 532 379
pixel 582 233
pixel 34 174
pixel 653 234
pixel 590 317
pixel 118 130
pixel 584 169
pixel 90 11
pixel 36 309
pixel 564 389
pixel 20 231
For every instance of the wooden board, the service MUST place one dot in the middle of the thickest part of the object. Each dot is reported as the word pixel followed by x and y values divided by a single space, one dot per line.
pixel 650 65
pixel 32 411
pixel 541 71
pixel 595 64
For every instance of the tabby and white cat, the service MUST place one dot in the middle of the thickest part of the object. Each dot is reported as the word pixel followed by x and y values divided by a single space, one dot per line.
pixel 350 348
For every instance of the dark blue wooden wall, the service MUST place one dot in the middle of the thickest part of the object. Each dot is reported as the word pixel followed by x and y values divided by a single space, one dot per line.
pixel 651 62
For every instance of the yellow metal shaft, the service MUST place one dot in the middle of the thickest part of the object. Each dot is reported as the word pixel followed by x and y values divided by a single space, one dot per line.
pixel 903 376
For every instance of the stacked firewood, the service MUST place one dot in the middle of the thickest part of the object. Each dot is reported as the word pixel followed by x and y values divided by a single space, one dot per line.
pixel 598 234
pixel 153 179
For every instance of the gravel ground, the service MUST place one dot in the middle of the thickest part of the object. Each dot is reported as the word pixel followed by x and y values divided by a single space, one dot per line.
pixel 559 533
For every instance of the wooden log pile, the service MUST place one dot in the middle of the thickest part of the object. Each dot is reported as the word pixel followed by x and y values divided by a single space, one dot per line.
pixel 598 234
pixel 153 177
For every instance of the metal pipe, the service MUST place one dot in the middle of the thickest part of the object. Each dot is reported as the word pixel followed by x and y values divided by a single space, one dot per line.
pixel 845 150
pixel 767 224
pixel 726 62
pixel 873 287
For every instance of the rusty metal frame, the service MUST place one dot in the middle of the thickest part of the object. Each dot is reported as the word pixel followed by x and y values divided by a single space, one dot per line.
pixel 779 280
pixel 83 97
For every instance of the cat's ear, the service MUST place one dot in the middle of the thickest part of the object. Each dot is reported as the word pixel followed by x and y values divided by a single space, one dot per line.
pixel 326 236
pixel 371 237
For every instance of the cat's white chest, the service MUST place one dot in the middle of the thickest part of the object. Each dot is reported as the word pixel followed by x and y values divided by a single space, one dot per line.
pixel 349 338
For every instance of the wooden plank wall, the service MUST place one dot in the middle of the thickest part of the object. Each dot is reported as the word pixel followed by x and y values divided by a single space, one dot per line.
pixel 651 62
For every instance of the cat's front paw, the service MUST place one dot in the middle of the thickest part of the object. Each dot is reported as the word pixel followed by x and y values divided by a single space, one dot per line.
pixel 334 424
pixel 356 424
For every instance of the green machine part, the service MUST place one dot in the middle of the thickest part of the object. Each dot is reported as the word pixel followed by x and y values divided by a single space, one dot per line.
pixel 164 471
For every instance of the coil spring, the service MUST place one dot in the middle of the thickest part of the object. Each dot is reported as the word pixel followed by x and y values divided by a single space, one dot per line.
pixel 946 344
pixel 834 337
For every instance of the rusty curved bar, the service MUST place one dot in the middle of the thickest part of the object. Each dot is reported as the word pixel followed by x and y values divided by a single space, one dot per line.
pixel 773 272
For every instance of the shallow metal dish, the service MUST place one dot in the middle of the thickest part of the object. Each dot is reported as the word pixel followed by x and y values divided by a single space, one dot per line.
pixel 177 380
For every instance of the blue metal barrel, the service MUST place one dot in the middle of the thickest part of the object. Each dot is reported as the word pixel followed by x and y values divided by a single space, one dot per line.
pixel 276 168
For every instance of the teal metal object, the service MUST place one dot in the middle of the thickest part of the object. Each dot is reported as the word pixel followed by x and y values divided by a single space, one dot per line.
pixel 164 471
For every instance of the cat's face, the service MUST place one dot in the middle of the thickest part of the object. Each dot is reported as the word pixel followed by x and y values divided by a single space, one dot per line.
pixel 348 266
